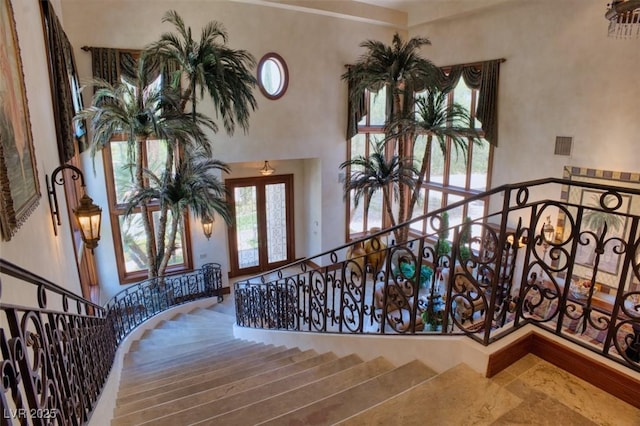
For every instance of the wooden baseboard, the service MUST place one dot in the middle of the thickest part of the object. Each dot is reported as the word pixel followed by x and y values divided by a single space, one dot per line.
pixel 588 369
pixel 506 356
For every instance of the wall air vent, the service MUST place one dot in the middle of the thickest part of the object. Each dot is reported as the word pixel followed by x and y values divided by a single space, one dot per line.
pixel 563 145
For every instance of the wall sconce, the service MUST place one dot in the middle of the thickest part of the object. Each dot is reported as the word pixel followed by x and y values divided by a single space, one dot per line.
pixel 267 169
pixel 547 231
pixel 87 214
pixel 207 226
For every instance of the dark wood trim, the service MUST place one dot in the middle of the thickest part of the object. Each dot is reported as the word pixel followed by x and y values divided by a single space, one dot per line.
pixel 506 356
pixel 260 183
pixel 608 379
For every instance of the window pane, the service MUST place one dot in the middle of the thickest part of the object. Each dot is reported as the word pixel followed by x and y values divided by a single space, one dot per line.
pixel 437 164
pixel 276 222
pixel 435 202
pixel 356 224
pixel 462 97
pixel 156 156
pixel 178 255
pixel 476 209
pixel 455 215
pixel 246 226
pixel 419 211
pixel 123 175
pixel 358 148
pixel 480 165
pixel 133 242
pixel 377 107
pixel 374 219
pixel 418 150
pixel 458 173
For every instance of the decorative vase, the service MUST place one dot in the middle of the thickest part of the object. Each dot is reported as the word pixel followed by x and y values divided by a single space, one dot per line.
pixel 376 250
pixel 358 255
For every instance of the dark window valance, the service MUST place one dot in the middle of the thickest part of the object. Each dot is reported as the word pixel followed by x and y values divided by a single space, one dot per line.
pixel 482 76
pixel 357 108
pixel 112 64
pixel 64 84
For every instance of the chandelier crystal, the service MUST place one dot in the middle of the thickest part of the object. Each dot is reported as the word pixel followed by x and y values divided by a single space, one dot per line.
pixel 624 18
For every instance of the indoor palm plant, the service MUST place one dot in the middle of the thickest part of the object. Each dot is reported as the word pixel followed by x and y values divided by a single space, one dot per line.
pixel 146 112
pixel 403 72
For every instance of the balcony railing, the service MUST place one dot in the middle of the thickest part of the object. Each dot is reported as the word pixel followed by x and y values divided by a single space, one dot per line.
pixel 135 304
pixel 568 265
pixel 58 348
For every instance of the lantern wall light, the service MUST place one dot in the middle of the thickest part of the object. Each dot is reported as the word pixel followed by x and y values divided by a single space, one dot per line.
pixel 207 226
pixel 88 215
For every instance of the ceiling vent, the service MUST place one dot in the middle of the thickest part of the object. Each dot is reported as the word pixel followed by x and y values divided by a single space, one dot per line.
pixel 563 145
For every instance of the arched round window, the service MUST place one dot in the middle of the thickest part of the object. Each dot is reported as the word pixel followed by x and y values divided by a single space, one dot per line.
pixel 273 76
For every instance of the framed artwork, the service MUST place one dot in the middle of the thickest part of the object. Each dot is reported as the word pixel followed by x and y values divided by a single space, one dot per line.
pixel 593 220
pixel 618 225
pixel 19 188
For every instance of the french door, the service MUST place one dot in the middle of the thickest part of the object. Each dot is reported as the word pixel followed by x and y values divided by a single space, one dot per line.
pixel 261 236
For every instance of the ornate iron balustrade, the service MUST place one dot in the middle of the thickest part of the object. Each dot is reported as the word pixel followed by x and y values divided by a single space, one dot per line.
pixel 581 282
pixel 134 305
pixel 58 348
pixel 56 355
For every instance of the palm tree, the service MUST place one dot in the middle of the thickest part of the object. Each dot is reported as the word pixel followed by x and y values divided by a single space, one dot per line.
pixel 440 122
pixel 401 70
pixel 193 186
pixel 143 112
pixel 209 64
pixel 379 173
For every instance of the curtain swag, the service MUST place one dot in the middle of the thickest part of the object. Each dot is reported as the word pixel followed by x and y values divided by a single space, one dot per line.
pixel 482 76
pixel 63 77
pixel 111 64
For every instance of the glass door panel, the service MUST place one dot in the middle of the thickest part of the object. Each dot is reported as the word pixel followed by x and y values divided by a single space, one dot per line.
pixel 276 222
pixel 261 237
pixel 246 220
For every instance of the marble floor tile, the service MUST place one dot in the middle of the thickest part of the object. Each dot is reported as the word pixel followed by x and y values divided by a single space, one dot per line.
pixel 576 394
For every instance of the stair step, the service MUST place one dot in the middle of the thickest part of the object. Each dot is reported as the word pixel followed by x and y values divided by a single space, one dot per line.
pixel 195 375
pixel 212 402
pixel 254 357
pixel 277 405
pixel 239 381
pixel 358 398
pixel 208 355
pixel 448 398
pixel 155 341
pixel 168 354
pixel 210 362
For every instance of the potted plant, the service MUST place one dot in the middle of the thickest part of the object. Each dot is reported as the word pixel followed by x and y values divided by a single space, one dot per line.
pixel 408 270
pixel 433 315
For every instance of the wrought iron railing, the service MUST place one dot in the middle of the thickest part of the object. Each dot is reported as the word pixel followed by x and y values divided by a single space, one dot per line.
pixel 58 348
pixel 137 303
pixel 581 281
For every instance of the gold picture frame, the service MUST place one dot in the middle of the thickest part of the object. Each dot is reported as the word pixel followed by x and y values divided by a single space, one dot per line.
pixel 19 188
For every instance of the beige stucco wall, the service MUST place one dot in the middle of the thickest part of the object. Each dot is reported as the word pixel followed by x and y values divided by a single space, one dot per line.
pixel 302 132
pixel 562 77
pixel 35 247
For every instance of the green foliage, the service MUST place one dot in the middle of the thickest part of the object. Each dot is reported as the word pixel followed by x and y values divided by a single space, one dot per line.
pixel 443 246
pixel 408 270
pixel 145 111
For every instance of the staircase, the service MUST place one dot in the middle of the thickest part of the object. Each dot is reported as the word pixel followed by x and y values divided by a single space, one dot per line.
pixel 191 370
